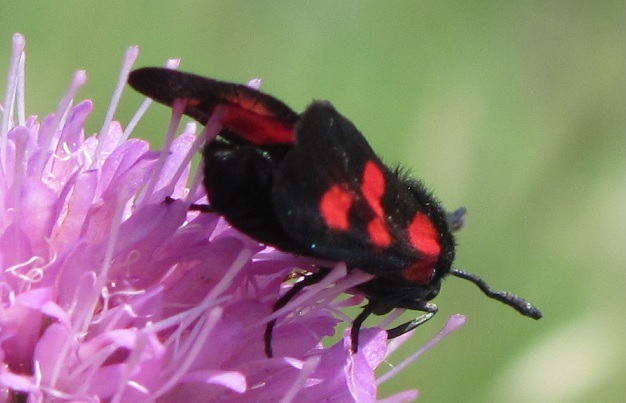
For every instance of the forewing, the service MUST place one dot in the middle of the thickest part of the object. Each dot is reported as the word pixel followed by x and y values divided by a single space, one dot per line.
pixel 248 114
pixel 334 195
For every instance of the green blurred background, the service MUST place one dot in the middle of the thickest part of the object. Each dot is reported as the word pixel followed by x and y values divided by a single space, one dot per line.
pixel 515 110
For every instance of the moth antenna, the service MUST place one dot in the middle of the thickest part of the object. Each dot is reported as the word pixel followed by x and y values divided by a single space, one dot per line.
pixel 518 303
pixel 456 219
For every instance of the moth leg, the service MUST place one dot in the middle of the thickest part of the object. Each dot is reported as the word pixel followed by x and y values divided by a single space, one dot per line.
pixel 203 208
pixel 373 308
pixel 285 298
pixel 430 309
pixel 356 325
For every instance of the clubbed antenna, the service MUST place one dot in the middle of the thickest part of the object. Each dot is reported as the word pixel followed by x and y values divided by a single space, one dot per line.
pixel 518 303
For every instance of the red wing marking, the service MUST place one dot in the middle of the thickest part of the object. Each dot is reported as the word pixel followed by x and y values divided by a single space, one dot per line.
pixel 335 207
pixel 336 203
pixel 422 271
pixel 373 187
pixel 378 232
pixel 424 236
pixel 253 122
pixel 193 101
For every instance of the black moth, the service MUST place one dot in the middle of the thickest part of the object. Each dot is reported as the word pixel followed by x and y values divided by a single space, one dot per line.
pixel 310 184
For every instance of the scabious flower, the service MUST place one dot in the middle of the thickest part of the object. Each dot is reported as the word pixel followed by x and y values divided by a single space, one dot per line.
pixel 109 294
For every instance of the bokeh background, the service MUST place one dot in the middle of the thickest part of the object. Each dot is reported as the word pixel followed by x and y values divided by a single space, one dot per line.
pixel 515 110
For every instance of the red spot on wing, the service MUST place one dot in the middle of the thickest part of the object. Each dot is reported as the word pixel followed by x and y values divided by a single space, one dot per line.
pixel 424 237
pixel 335 207
pixel 378 232
pixel 336 203
pixel 250 118
pixel 193 102
pixel 256 124
pixel 421 272
pixel 373 187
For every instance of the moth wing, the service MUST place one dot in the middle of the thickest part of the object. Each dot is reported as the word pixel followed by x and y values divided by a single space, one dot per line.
pixel 335 196
pixel 248 114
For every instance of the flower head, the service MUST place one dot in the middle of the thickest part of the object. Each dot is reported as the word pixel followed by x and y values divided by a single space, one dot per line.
pixel 107 293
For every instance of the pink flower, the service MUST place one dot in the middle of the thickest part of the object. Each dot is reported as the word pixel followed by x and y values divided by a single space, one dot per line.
pixel 109 294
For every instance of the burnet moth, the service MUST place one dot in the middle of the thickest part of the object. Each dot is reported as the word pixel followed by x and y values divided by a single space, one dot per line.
pixel 310 184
